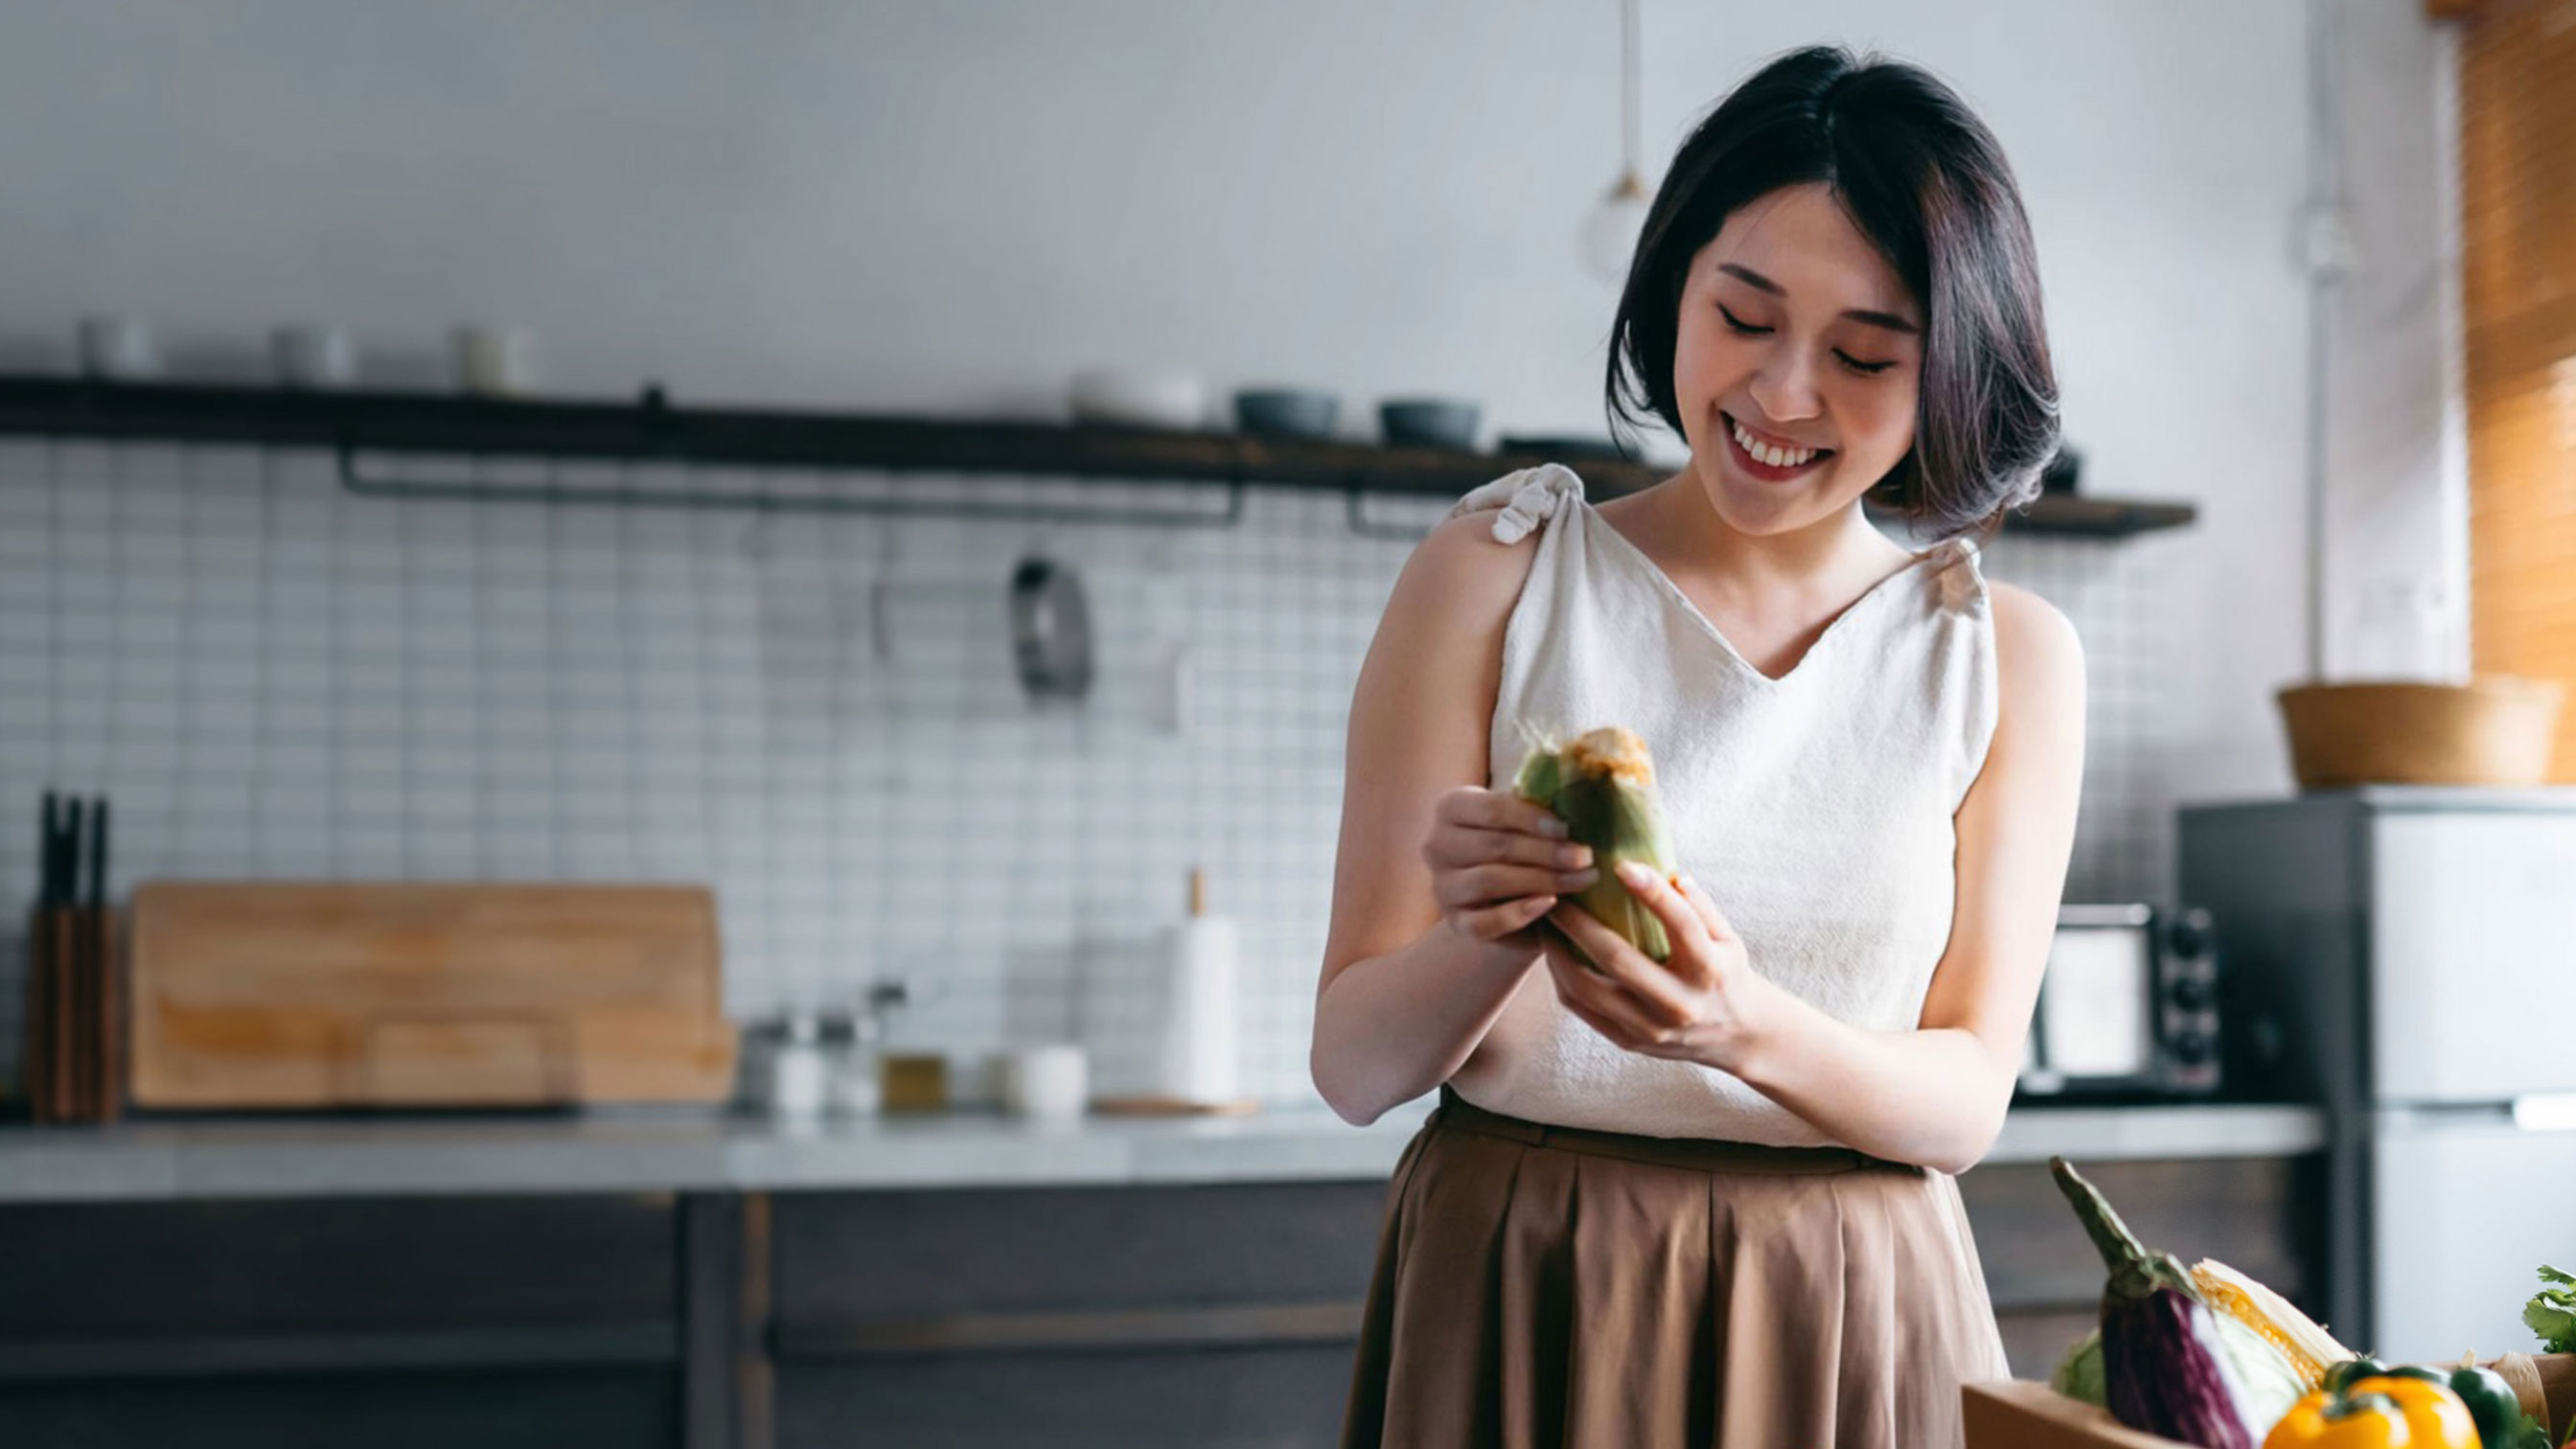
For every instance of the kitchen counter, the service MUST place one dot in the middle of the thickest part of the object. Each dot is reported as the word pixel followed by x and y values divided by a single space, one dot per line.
pixel 679 1151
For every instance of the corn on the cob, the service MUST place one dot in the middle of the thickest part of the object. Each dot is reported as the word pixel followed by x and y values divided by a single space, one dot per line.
pixel 1602 785
pixel 2310 1348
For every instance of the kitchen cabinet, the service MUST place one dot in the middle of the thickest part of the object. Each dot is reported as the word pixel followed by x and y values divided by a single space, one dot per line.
pixel 720 1285
pixel 2259 1215
pixel 388 1322
pixel 1092 1316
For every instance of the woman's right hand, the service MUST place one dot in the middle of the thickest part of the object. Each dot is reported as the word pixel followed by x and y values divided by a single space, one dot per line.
pixel 1498 863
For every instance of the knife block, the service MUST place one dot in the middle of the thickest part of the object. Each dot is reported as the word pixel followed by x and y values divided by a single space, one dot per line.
pixel 72 1066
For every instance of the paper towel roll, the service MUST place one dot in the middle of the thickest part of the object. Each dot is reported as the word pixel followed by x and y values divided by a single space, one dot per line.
pixel 1197 1061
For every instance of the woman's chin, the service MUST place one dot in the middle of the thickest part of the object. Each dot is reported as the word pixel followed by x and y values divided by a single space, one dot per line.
pixel 1760 509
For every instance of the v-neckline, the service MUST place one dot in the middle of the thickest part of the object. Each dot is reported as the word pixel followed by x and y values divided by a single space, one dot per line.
pixel 1689 606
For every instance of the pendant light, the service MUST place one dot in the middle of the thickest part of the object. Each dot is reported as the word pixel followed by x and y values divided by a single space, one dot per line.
pixel 1609 236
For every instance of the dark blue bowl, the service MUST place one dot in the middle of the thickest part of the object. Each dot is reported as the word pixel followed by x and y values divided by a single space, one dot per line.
pixel 1286 412
pixel 1429 422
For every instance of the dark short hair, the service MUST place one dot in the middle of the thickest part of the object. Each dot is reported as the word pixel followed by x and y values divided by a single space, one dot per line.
pixel 1927 183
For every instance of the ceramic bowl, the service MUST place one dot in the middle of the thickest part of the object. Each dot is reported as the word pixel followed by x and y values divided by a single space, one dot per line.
pixel 1428 422
pixel 1286 412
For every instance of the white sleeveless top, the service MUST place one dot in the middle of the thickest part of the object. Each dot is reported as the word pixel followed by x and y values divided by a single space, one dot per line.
pixel 1815 809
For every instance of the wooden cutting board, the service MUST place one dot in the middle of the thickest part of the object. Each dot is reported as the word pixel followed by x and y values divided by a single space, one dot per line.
pixel 290 995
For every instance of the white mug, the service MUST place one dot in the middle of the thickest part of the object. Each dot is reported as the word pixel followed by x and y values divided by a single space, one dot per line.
pixel 1048 1082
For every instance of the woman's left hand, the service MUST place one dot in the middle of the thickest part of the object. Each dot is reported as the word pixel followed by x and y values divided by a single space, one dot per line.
pixel 1704 1004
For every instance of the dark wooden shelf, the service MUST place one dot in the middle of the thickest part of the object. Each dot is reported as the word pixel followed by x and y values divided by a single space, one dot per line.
pixel 649 430
pixel 2071 513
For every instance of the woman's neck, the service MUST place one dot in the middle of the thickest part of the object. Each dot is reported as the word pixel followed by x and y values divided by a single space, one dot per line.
pixel 1832 557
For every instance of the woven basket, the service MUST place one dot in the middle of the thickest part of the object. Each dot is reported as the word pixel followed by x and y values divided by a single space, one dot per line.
pixel 2493 730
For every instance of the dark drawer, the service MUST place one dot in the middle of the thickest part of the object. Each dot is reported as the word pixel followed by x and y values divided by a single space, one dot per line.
pixel 867 1256
pixel 1275 1398
pixel 307 1267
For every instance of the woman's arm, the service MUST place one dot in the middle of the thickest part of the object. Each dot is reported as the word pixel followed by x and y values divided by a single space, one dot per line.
pixel 1404 999
pixel 1935 1095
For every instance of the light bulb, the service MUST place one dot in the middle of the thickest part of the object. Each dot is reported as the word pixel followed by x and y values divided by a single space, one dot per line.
pixel 1609 239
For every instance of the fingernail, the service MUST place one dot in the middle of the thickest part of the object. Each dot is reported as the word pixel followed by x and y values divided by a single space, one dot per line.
pixel 1552 827
pixel 1578 879
pixel 1636 873
pixel 1574 857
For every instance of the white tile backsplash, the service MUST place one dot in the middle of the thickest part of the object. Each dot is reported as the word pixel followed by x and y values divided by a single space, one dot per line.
pixel 814 713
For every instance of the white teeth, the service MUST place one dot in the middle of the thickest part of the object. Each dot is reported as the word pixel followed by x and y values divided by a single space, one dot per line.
pixel 1774 457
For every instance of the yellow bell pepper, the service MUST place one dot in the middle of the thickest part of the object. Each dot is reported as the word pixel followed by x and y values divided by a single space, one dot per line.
pixel 2328 1420
pixel 2435 1417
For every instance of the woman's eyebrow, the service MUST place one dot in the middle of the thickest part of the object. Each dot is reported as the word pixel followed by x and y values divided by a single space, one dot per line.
pixel 1761 283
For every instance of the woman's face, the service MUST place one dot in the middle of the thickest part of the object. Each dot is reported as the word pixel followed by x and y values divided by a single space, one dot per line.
pixel 1798 362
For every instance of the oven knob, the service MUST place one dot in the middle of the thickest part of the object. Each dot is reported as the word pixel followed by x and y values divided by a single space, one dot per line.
pixel 2193 1048
pixel 2188 936
pixel 2191 993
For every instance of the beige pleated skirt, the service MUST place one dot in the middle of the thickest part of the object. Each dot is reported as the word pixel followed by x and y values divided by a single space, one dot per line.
pixel 1542 1286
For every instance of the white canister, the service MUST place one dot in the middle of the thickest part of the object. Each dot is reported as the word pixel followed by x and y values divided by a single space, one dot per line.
pixel 119 349
pixel 1051 1082
pixel 800 1071
pixel 313 356
pixel 494 361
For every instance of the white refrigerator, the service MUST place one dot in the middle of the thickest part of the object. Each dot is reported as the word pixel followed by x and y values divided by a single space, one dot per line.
pixel 2406 957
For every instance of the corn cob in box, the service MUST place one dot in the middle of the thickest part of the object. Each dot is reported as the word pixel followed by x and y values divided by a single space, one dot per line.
pixel 1602 785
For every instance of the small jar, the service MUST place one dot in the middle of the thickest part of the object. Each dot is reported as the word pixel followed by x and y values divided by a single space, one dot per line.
pixel 856 1089
pixel 800 1071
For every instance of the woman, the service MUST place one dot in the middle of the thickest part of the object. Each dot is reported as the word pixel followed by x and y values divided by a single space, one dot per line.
pixel 1709 1201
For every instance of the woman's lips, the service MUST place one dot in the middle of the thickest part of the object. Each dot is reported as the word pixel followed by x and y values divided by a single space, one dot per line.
pixel 1769 472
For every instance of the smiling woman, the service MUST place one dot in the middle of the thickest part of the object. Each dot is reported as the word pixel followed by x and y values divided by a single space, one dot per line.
pixel 1887 240
pixel 1703 1196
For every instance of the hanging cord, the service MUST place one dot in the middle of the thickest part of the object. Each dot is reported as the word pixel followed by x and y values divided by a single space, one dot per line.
pixel 1630 124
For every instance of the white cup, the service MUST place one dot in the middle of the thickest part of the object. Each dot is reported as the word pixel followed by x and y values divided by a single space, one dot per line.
pixel 119 349
pixel 1052 1083
pixel 313 356
pixel 494 361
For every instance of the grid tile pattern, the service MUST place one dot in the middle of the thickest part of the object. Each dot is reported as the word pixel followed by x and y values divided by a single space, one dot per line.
pixel 817 715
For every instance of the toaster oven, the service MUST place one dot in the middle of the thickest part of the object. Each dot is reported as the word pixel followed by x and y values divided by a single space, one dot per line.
pixel 2128 1008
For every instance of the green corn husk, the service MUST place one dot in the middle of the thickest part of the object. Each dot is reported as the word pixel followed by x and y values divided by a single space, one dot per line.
pixel 1602 785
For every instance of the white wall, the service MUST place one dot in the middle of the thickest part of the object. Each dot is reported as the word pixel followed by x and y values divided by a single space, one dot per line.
pixel 950 206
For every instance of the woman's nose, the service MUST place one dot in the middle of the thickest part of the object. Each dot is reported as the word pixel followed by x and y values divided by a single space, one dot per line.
pixel 1785 386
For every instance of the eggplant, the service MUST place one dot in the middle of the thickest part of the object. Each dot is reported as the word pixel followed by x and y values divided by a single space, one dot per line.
pixel 2163 1368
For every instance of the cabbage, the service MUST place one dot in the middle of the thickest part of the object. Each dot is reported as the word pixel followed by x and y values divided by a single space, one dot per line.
pixel 2079 1375
pixel 2269 1385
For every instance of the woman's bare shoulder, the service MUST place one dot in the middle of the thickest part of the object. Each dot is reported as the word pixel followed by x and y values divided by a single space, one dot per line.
pixel 2039 661
pixel 1461 580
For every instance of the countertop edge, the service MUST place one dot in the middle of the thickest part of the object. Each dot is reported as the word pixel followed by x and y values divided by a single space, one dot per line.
pixel 208 1160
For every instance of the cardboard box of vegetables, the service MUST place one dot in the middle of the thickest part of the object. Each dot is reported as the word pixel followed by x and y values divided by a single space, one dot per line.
pixel 2206 1356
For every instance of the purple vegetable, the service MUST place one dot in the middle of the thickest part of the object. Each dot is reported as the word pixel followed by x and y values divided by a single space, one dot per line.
pixel 2162 1366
